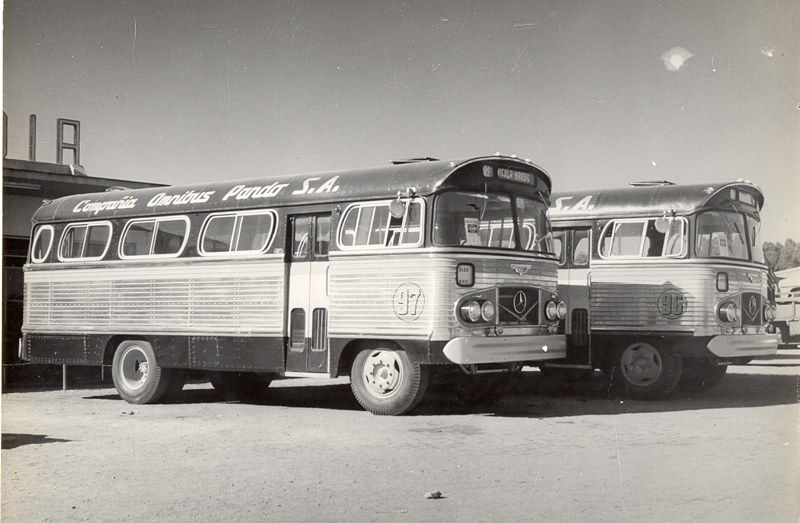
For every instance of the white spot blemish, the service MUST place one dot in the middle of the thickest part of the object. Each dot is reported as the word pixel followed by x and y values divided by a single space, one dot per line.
pixel 675 58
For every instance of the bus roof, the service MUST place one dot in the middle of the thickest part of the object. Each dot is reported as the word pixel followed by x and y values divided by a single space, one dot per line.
pixel 652 200
pixel 420 177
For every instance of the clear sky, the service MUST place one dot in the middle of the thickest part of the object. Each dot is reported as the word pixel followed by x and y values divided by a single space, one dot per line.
pixel 599 94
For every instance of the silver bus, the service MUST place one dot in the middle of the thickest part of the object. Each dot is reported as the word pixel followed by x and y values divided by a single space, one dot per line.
pixel 665 284
pixel 389 275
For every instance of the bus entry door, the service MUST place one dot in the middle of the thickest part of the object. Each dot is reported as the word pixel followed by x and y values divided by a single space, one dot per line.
pixel 573 288
pixel 307 311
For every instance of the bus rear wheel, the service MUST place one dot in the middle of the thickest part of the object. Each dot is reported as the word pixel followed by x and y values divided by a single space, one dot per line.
pixel 386 383
pixel 137 377
pixel 646 370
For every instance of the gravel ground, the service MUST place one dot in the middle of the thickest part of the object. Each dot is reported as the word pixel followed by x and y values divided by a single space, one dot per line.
pixel 307 452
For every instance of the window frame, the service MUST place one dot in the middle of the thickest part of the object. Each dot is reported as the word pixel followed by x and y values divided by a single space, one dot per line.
pixel 150 254
pixel 235 234
pixel 88 226
pixel 742 234
pixel 386 232
pixel 36 237
pixel 645 223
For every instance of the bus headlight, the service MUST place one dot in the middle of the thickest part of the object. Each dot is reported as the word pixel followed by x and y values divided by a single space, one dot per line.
pixel 487 311
pixel 562 310
pixel 729 312
pixel 551 311
pixel 471 311
pixel 770 312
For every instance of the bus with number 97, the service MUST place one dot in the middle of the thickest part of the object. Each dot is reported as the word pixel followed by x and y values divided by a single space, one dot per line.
pixel 393 275
pixel 665 284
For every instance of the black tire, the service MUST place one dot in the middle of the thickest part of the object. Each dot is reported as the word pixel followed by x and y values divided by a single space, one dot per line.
pixel 485 389
pixel 137 377
pixel 698 374
pixel 645 370
pixel 240 385
pixel 386 383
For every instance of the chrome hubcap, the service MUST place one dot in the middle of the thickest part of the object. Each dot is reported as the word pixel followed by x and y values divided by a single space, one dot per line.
pixel 382 373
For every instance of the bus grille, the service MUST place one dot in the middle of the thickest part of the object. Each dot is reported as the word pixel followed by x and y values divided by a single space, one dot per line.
pixel 518 306
pixel 751 308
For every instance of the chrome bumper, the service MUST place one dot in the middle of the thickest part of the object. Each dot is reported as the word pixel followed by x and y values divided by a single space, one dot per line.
pixel 733 346
pixel 505 349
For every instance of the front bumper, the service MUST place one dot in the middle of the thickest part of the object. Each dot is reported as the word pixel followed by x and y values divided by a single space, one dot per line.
pixel 748 345
pixel 505 349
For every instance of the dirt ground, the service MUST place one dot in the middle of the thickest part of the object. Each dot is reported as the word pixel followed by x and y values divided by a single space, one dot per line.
pixel 307 452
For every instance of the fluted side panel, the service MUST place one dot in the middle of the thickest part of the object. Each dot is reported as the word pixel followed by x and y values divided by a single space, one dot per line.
pixel 208 298
pixel 639 297
pixel 374 295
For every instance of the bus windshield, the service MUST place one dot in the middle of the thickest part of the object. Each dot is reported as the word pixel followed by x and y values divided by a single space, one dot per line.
pixel 721 234
pixel 488 220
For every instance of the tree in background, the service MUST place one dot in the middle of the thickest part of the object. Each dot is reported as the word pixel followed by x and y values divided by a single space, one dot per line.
pixel 779 257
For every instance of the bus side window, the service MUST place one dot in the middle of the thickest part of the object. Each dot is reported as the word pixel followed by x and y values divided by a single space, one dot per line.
pixel 300 238
pixel 169 236
pixel 322 236
pixel 654 240
pixel 676 239
pixel 42 243
pixel 558 246
pixel 580 247
pixel 413 224
pixel 138 239
pixel 348 236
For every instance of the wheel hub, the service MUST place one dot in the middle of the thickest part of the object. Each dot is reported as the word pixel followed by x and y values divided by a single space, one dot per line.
pixel 382 373
pixel 641 364
pixel 134 368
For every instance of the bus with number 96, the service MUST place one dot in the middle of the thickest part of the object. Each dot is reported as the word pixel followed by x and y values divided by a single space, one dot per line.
pixel 665 284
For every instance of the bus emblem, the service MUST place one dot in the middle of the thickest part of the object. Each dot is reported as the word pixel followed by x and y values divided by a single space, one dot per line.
pixel 672 304
pixel 752 306
pixel 519 268
pixel 520 302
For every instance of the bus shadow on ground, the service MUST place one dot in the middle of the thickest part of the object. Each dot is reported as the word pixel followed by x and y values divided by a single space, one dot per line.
pixel 12 440
pixel 536 396
pixel 532 396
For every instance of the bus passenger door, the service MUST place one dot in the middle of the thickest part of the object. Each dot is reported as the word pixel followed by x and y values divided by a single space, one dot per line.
pixel 573 288
pixel 307 311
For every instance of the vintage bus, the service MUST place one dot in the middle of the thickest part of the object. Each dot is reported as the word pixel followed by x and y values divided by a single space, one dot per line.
pixel 665 284
pixel 386 274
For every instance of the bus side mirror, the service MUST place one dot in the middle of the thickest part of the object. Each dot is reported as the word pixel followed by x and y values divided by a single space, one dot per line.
pixel 397 208
pixel 662 225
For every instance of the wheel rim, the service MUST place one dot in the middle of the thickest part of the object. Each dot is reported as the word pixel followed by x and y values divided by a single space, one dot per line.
pixel 641 364
pixel 382 373
pixel 134 368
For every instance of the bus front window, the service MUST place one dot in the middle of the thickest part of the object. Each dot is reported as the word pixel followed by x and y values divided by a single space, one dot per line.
pixel 720 234
pixel 487 220
pixel 474 219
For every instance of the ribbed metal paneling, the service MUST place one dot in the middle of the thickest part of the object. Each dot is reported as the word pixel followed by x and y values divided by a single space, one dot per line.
pixel 366 292
pixel 201 298
pixel 626 296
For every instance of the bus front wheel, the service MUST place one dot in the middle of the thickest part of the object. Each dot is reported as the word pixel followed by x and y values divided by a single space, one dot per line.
pixel 137 377
pixel 646 370
pixel 386 383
